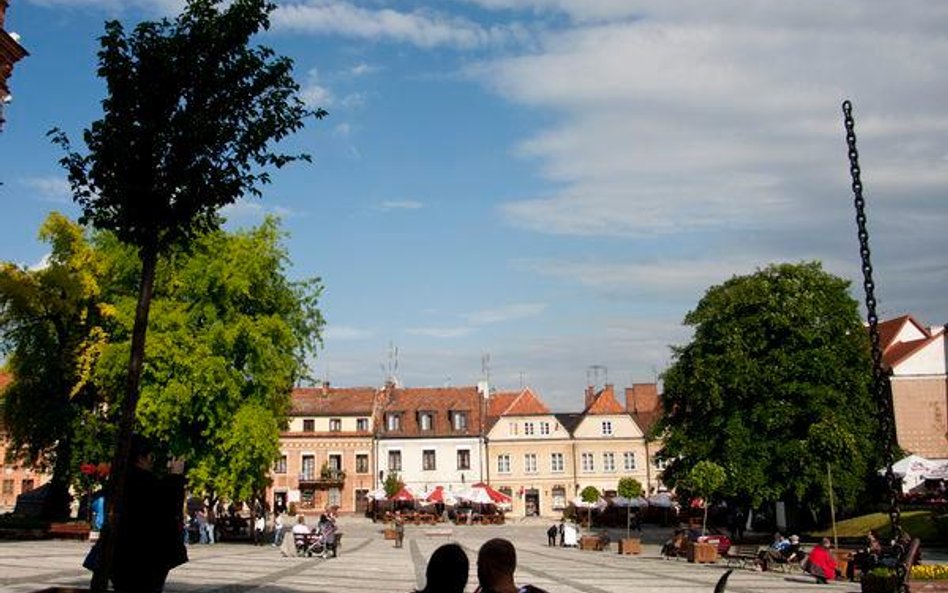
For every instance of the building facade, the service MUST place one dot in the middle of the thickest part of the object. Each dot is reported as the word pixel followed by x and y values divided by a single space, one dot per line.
pixel 917 359
pixel 430 437
pixel 326 451
pixel 14 479
pixel 530 453
pixel 10 53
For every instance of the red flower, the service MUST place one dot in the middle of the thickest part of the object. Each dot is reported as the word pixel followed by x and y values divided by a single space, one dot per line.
pixel 102 470
pixel 87 469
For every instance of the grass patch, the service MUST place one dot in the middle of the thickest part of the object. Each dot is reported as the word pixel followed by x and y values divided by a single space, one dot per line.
pixel 918 524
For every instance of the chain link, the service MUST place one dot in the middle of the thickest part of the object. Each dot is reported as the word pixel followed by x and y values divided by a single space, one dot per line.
pixel 881 387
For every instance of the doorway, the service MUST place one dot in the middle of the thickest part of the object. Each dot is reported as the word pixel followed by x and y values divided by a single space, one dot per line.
pixel 531 502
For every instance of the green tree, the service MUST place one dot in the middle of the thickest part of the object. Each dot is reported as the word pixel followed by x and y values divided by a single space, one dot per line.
pixel 705 479
pixel 229 337
pixel 590 495
pixel 191 112
pixel 393 483
pixel 52 329
pixel 773 384
pixel 629 488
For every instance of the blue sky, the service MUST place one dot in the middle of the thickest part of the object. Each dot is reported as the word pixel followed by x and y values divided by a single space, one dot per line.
pixel 553 182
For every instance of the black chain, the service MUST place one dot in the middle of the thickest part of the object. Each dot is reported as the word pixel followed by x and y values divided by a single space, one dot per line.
pixel 881 387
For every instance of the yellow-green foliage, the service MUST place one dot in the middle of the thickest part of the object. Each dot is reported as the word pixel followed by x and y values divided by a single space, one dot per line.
pixel 929 572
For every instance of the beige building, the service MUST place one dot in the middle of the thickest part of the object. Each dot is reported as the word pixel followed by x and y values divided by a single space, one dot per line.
pixel 544 460
pixel 530 453
pixel 326 451
pixel 917 359
pixel 608 444
pixel 14 479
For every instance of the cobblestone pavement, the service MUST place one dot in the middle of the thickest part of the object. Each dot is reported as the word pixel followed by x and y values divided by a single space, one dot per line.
pixel 368 563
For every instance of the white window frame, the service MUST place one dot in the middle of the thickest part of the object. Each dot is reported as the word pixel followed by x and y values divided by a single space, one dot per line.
pixel 628 459
pixel 588 462
pixel 609 462
pixel 503 463
pixel 530 463
pixel 607 428
pixel 557 463
pixel 528 429
pixel 544 428
pixel 401 462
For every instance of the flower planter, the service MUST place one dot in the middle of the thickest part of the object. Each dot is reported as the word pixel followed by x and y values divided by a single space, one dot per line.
pixel 928 586
pixel 630 545
pixel 871 583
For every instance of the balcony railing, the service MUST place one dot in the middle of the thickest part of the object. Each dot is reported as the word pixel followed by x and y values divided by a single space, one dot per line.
pixel 325 476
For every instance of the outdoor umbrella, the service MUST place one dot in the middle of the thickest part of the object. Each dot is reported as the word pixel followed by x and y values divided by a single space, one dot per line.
pixel 578 502
pixel 662 499
pixel 403 495
pixel 376 494
pixel 481 493
pixel 621 501
pixel 439 495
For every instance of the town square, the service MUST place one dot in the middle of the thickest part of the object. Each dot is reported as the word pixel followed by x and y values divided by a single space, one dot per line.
pixel 481 296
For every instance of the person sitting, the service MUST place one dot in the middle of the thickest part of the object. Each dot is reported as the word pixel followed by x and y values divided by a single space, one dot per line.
pixel 866 558
pixel 821 563
pixel 675 546
pixel 775 553
pixel 447 570
pixel 496 564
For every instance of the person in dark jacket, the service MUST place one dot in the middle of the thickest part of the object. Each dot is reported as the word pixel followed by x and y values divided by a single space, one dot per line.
pixel 149 541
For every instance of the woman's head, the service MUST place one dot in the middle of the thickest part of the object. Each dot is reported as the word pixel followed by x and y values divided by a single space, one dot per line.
pixel 447 570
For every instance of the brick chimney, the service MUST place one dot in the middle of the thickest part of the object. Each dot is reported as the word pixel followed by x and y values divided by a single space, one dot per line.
pixel 590 396
pixel 324 386
pixel 641 398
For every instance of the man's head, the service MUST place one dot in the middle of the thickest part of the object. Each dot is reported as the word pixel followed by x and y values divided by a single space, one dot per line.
pixel 826 543
pixel 496 563
pixel 142 454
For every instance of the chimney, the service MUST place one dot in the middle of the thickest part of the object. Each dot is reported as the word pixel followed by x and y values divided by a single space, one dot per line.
pixel 641 398
pixel 590 396
pixel 325 388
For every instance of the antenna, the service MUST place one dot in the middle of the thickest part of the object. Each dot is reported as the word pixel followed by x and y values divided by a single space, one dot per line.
pixel 596 376
pixel 521 379
pixel 392 373
pixel 485 367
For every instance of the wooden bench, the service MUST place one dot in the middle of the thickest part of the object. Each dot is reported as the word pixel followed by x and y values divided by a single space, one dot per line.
pixel 78 531
pixel 590 542
pixel 742 555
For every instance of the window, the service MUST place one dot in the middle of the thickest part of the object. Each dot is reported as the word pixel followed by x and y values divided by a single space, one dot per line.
pixel 362 463
pixel 425 421
pixel 609 462
pixel 335 462
pixel 528 428
pixel 459 420
pixel 362 424
pixel 464 459
pixel 309 425
pixel 279 466
pixel 8 486
pixel 659 464
pixel 558 494
pixel 308 468
pixel 394 461
pixel 335 497
pixel 335 424
pixel 556 462
pixel 393 422
pixel 428 459
pixel 607 428
pixel 589 465
pixel 530 463
pixel 503 464
pixel 512 428
pixel 629 458
pixel 544 428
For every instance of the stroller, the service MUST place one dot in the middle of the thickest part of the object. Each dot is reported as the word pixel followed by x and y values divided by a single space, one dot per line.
pixel 309 544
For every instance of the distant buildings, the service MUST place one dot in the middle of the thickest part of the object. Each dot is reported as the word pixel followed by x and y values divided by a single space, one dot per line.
pixel 917 358
pixel 454 437
pixel 10 53
pixel 14 479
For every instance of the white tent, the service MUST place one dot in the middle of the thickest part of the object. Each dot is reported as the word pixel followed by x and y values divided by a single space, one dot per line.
pixel 912 470
pixel 621 501
pixel 662 499
pixel 578 502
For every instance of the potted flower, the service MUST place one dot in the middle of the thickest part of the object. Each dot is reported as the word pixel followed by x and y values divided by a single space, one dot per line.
pixel 881 579
pixel 929 578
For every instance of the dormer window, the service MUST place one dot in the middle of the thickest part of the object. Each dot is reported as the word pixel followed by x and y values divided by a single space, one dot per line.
pixel 528 428
pixel 309 425
pixel 362 424
pixel 459 421
pixel 607 428
pixel 426 421
pixel 393 421
pixel 335 424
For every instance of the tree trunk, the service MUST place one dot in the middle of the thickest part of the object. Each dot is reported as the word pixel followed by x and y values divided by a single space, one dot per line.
pixel 149 257
pixel 704 522
pixel 628 520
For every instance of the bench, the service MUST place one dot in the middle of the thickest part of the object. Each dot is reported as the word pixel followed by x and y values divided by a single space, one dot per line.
pixel 78 531
pixel 742 555
pixel 591 542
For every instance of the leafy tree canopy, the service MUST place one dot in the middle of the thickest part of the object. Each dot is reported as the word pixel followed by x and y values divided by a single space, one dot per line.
pixel 773 385
pixel 629 488
pixel 230 337
pixel 393 483
pixel 590 494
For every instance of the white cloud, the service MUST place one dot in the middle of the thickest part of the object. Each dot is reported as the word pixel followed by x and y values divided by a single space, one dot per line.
pixel 313 93
pixel 42 264
pixel 440 332
pixel 52 189
pixel 503 314
pixel 246 212
pixel 401 205
pixel 362 69
pixel 159 7
pixel 343 332
pixel 426 29
pixel 342 130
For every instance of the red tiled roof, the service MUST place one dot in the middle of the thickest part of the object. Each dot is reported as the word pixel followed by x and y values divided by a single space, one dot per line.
pixel 902 350
pixel 527 403
pixel 889 329
pixel 499 402
pixel 441 401
pixel 894 352
pixel 333 401
pixel 605 403
pixel 646 420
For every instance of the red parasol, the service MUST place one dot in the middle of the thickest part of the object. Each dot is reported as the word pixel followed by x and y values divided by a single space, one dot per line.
pixel 495 496
pixel 403 495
